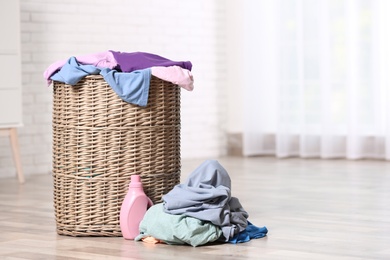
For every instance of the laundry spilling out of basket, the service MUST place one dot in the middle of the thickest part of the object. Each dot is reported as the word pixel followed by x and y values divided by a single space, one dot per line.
pixel 128 73
pixel 116 155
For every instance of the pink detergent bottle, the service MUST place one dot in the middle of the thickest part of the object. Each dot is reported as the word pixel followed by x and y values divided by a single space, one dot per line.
pixel 133 209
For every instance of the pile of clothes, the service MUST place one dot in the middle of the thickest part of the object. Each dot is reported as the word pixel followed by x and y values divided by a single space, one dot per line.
pixel 199 211
pixel 128 74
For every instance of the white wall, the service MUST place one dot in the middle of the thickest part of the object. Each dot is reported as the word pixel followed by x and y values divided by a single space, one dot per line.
pixel 235 20
pixel 192 30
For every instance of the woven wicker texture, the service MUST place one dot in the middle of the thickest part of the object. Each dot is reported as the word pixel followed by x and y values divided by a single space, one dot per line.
pixel 99 141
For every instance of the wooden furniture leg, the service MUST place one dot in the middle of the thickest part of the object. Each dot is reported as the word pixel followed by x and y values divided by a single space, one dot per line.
pixel 12 133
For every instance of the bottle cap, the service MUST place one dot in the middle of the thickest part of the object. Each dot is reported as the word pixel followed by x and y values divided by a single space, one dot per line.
pixel 135 178
pixel 135 181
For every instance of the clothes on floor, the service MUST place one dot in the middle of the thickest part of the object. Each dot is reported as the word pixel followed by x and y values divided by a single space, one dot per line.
pixel 152 240
pixel 251 232
pixel 199 211
pixel 206 195
pixel 176 229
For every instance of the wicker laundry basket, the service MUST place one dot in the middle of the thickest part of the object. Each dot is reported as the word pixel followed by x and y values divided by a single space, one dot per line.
pixel 99 141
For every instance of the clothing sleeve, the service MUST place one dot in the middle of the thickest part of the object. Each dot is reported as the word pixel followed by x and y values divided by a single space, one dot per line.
pixel 72 72
pixel 132 87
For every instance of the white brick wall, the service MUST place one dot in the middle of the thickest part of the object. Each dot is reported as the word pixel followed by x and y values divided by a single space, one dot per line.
pixel 179 30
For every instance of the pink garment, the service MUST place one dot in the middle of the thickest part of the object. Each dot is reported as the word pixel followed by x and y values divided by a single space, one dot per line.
pixel 176 75
pixel 152 240
pixel 101 60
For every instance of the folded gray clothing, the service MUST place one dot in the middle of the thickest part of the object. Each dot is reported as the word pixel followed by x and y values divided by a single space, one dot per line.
pixel 206 195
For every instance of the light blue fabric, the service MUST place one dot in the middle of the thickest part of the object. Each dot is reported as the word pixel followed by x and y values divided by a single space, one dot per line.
pixel 72 72
pixel 176 229
pixel 132 87
pixel 251 232
pixel 206 195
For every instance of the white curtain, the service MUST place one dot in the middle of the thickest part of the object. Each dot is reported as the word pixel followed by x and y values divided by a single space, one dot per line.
pixel 318 78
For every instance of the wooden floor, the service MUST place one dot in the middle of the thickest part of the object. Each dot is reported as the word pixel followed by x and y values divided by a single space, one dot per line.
pixel 313 209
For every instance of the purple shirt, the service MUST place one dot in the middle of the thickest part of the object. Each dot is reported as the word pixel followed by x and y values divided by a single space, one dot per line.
pixel 129 62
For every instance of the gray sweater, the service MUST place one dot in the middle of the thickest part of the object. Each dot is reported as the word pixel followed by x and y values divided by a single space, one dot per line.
pixel 205 195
